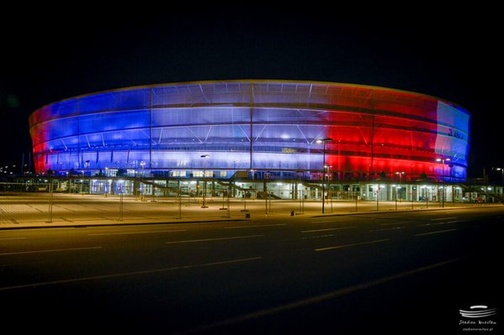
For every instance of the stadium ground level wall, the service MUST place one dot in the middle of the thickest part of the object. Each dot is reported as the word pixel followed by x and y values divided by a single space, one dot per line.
pixel 209 187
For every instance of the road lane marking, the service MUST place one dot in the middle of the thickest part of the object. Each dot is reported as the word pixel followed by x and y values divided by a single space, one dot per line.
pixel 387 229
pixel 341 246
pixel 314 300
pixel 48 250
pixel 134 273
pixel 257 226
pixel 392 223
pixel 313 237
pixel 326 229
pixel 214 239
pixel 138 232
pixel 448 218
pixel 441 223
pixel 435 232
pixel 323 221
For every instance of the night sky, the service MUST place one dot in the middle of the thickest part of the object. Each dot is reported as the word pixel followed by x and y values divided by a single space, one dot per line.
pixel 452 54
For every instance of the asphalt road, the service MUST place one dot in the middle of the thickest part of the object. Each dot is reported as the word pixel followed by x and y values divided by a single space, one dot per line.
pixel 388 272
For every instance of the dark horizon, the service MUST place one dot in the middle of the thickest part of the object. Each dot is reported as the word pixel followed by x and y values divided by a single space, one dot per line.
pixel 433 53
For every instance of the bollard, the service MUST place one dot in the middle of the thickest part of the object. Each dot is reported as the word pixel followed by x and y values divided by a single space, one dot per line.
pixel 292 213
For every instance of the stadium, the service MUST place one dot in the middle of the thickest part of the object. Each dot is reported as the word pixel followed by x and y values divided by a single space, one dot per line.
pixel 288 139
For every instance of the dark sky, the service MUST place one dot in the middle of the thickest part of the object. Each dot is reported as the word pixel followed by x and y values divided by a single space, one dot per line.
pixel 50 55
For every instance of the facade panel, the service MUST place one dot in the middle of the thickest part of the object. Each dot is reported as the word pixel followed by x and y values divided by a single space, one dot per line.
pixel 252 125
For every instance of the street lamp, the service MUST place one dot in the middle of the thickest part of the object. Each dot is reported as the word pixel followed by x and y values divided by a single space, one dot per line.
pixel 395 194
pixel 443 160
pixel 142 167
pixel 377 197
pixel 502 173
pixel 324 167
pixel 203 204
pixel 142 188
pixel 400 174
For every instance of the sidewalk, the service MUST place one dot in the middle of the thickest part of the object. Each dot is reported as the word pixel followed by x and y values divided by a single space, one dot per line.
pixel 65 210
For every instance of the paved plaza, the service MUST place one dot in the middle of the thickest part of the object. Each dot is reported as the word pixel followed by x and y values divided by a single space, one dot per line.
pixel 60 209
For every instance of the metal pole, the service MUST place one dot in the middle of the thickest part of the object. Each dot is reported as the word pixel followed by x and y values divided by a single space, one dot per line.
pixel 300 192
pixel 179 200
pixel 228 202
pixel 377 197
pixel 265 188
pixel 244 197
pixel 301 201
pixel 51 199
pixel 204 204
pixel 323 140
pixel 323 175
pixel 442 187
pixel 442 160
pixel 121 205
pixel 411 195
pixel 395 197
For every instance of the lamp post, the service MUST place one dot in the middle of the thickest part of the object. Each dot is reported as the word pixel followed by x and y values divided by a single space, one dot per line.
pixel 142 167
pixel 395 195
pixel 142 186
pixel 502 174
pixel 443 160
pixel 377 197
pixel 324 167
pixel 400 174
pixel 204 204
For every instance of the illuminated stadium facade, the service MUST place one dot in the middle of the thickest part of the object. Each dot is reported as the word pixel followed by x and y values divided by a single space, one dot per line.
pixel 254 130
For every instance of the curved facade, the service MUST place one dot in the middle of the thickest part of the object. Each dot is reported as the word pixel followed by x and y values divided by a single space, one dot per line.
pixel 269 127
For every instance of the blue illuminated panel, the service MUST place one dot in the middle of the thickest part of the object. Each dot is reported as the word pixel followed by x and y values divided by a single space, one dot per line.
pixel 265 125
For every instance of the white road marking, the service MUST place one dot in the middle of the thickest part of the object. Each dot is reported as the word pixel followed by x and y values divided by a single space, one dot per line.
pixel 435 232
pixel 256 226
pixel 448 218
pixel 341 246
pixel 45 251
pixel 12 238
pixel 139 232
pixel 315 299
pixel 214 239
pixel 123 274
pixel 326 229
